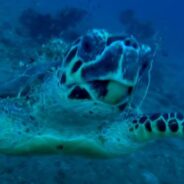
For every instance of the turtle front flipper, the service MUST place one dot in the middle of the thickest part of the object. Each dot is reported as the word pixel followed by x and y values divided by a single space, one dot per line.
pixel 107 141
pixel 153 126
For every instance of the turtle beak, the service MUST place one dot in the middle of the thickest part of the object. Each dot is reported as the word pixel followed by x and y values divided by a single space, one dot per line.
pixel 110 91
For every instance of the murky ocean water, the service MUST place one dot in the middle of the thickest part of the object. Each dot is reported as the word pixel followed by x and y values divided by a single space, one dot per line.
pixel 29 30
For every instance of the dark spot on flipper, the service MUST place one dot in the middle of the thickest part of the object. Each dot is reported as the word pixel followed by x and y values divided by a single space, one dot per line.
pixel 180 116
pixel 71 55
pixel 173 125
pixel 155 116
pixel 161 125
pixel 79 93
pixel 76 66
pixel 123 106
pixel 142 119
pixel 148 126
pixel 112 39
pixel 166 116
pixel 60 147
pixel 100 87
pixel 63 78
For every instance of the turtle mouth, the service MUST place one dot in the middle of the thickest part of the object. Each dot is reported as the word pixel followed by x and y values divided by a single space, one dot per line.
pixel 109 92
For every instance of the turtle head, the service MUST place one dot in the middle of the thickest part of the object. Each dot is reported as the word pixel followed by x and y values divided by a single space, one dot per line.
pixel 101 69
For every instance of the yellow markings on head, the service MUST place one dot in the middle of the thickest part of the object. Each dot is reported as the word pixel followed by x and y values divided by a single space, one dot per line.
pixel 116 92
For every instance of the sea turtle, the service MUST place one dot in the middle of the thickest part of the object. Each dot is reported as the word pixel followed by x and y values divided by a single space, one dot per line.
pixel 89 105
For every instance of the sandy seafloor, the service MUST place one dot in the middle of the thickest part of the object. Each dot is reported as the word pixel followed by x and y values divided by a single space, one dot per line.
pixel 161 162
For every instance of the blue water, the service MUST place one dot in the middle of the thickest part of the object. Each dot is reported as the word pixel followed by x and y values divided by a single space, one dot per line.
pixel 159 163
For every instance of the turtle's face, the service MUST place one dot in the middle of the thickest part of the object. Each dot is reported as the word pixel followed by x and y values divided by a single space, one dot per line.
pixel 101 68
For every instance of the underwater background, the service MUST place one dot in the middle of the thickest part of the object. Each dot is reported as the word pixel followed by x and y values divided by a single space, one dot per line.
pixel 26 26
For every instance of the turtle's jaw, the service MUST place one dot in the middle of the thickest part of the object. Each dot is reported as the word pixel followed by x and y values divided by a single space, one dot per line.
pixel 110 91
pixel 117 92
